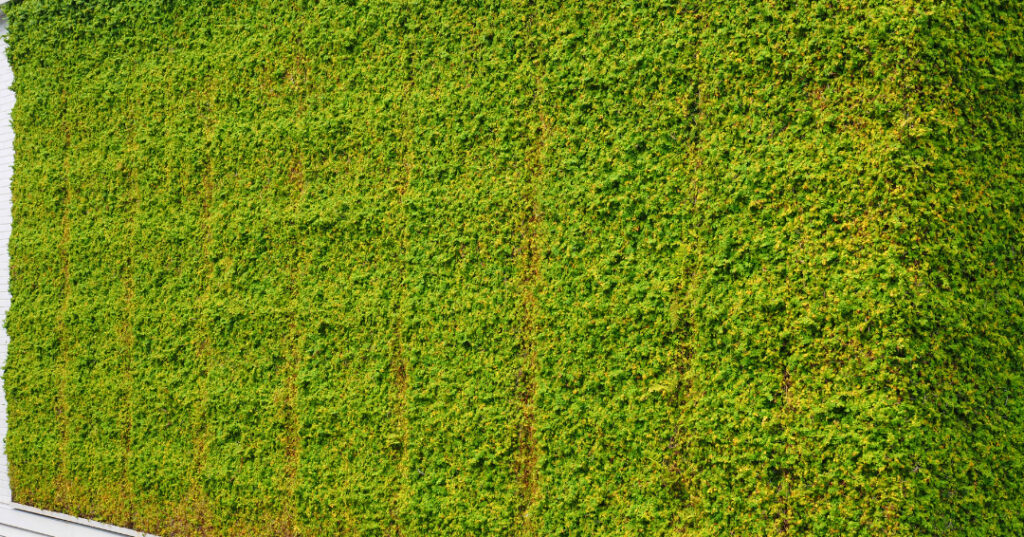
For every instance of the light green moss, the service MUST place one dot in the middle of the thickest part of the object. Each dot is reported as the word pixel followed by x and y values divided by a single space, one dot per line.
pixel 519 268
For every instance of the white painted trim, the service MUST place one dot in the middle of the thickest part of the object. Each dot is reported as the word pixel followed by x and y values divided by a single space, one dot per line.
pixel 18 520
pixel 6 163
pixel 21 520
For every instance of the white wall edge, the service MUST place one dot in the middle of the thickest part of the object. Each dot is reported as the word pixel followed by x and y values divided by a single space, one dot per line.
pixel 18 520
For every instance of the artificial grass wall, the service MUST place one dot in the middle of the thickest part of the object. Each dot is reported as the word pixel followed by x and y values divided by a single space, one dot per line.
pixel 519 268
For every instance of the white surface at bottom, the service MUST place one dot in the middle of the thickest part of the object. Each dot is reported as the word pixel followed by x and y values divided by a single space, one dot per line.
pixel 22 521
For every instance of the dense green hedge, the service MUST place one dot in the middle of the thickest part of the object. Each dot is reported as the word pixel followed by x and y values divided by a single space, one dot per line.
pixel 519 268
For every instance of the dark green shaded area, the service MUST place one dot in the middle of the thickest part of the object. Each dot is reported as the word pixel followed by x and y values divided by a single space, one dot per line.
pixel 519 268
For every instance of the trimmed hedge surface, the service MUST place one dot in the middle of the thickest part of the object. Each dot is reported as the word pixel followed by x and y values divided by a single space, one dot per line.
pixel 519 268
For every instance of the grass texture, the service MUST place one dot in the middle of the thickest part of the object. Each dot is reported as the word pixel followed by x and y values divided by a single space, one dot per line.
pixel 521 268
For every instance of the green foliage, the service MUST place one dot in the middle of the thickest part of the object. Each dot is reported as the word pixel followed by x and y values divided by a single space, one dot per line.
pixel 519 268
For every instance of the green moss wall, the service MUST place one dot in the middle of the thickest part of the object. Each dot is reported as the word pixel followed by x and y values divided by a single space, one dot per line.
pixel 519 268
